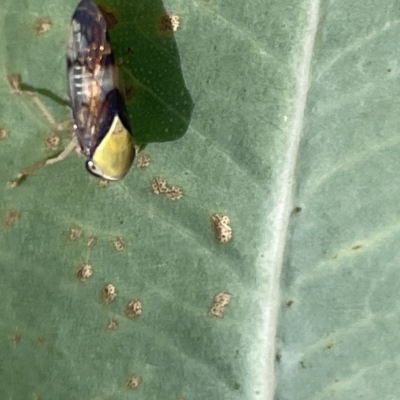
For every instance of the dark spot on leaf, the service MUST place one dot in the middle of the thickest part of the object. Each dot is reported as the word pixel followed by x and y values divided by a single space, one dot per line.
pixel 296 210
pixel 389 70
pixel 289 303
pixel 302 364
pixel 356 247
pixel 129 92
pixel 236 386
pixel 278 357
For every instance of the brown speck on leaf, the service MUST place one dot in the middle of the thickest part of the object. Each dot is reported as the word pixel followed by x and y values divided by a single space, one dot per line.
pixel 159 185
pixel 15 339
pixel 10 217
pixel 221 227
pixel 74 233
pixel 112 325
pixel 41 340
pixel 168 23
pixel 3 133
pixel 84 272
pixel 109 293
pixel 133 308
pixel 118 244
pixel 132 381
pixel 357 247
pixel 129 92
pixel 42 25
pixel 289 303
pixel 174 193
pixel 221 300
pixel 103 182
pixel 52 142
pixel 143 161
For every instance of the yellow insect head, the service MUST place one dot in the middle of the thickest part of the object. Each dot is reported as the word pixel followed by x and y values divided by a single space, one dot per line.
pixel 114 155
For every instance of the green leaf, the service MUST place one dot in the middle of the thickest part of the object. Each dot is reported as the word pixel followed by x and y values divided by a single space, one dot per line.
pixel 292 136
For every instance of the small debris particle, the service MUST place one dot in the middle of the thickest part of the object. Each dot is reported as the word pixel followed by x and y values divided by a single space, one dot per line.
pixel 84 271
pixel 133 308
pixel 74 233
pixel 112 325
pixel 132 381
pixel 297 209
pixel 143 161
pixel 330 345
pixel 109 293
pixel 169 23
pixel 15 339
pixel 357 247
pixel 103 182
pixel 289 303
pixel 10 217
pixel 52 142
pixel 222 230
pixel 90 242
pixel 221 300
pixel 174 193
pixel 42 25
pixel 118 244
pixel 159 186
pixel 3 133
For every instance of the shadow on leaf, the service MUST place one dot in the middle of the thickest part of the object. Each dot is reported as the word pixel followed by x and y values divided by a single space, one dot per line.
pixel 158 102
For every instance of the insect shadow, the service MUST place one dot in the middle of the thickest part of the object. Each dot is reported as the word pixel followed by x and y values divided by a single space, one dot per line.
pixel 141 34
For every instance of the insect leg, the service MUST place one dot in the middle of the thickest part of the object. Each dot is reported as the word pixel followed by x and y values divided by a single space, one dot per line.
pixel 39 164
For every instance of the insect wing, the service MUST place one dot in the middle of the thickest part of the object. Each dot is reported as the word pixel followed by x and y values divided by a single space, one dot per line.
pixel 90 72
